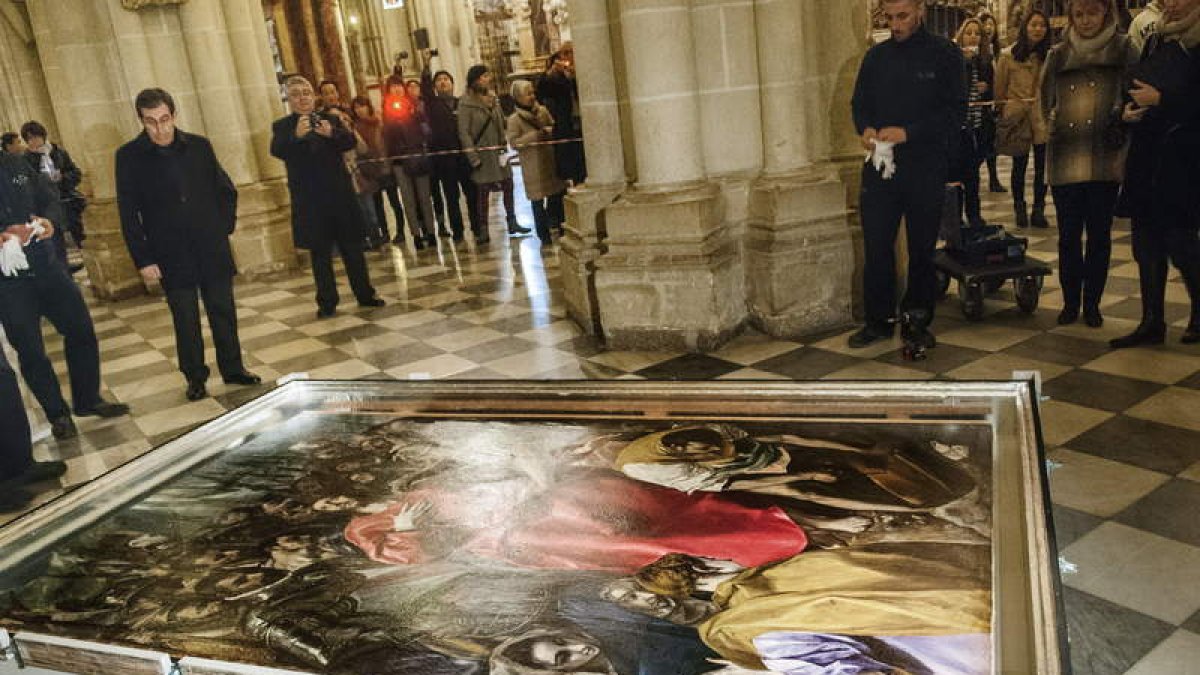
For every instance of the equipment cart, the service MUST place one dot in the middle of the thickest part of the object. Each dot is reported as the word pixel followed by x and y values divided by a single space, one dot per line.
pixel 976 281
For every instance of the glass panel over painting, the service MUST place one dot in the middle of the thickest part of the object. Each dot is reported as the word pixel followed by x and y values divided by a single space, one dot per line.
pixel 385 528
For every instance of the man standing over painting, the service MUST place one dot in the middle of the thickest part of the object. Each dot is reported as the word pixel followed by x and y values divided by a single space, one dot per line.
pixel 909 102
pixel 178 208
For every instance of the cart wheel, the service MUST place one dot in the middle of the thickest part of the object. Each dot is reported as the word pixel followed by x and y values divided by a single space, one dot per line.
pixel 1028 293
pixel 992 285
pixel 971 296
pixel 943 283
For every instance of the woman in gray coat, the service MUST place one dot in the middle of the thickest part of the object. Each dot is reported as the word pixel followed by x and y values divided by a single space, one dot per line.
pixel 481 125
pixel 529 123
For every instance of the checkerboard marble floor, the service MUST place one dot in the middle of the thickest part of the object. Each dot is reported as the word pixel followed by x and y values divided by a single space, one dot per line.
pixel 1122 428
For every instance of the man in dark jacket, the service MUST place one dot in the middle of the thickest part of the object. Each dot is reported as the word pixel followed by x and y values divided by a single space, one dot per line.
pixel 325 209
pixel 46 290
pixel 559 92
pixel 52 160
pixel 178 208
pixel 451 174
pixel 911 95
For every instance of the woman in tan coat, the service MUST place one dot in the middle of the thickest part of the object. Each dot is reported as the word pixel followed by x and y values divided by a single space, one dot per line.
pixel 531 122
pixel 1021 124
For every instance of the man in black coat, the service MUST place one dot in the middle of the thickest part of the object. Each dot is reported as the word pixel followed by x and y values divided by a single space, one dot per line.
pixel 178 208
pixel 559 92
pixel 911 92
pixel 52 160
pixel 325 211
pixel 45 290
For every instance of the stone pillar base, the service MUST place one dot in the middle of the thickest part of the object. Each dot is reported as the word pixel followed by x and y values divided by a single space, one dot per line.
pixel 800 255
pixel 671 277
pixel 578 250
pixel 111 271
pixel 262 243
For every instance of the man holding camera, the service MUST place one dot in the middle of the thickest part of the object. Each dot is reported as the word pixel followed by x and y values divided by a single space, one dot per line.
pixel 325 210
pixel 178 208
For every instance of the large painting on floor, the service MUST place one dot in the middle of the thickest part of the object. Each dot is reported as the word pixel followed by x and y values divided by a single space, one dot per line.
pixel 517 531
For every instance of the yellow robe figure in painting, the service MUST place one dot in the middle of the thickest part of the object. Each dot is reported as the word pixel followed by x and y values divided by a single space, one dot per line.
pixel 912 590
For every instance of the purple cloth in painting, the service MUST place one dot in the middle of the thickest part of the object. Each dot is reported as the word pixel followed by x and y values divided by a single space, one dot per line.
pixel 797 653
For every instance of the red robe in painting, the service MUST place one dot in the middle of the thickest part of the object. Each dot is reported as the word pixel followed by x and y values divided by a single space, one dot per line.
pixel 596 521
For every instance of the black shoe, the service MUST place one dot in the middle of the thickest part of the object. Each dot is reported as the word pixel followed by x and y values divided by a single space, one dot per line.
pixel 515 229
pixel 483 237
pixel 398 240
pixel 40 471
pixel 196 390
pixel 419 243
pixel 869 334
pixel 1144 334
pixel 373 302
pixel 63 428
pixel 442 232
pixel 104 409
pixel 919 336
pixel 1038 217
pixel 244 378
pixel 1092 317
pixel 457 237
pixel 326 312
pixel 997 187
pixel 13 498
pixel 431 241
pixel 1068 316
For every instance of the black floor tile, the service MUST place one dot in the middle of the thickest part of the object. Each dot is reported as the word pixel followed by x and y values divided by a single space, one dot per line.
pixel 1070 525
pixel 1158 447
pixel 1131 309
pixel 942 359
pixel 1065 349
pixel 243 395
pixel 1192 382
pixel 1092 389
pixel 430 331
pixel 266 341
pixel 311 361
pixel 1193 624
pixel 385 359
pixel 1106 638
pixel 806 363
pixel 496 349
pixel 350 335
pixel 689 367
pixel 136 374
pixel 1173 511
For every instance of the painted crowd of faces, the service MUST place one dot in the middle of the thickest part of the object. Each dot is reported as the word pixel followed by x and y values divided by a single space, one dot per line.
pixel 344 545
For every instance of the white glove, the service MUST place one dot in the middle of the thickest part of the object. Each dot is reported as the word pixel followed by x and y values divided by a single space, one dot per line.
pixel 883 158
pixel 12 258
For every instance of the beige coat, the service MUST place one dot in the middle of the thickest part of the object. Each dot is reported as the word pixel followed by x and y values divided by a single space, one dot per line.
pixel 1017 88
pixel 537 163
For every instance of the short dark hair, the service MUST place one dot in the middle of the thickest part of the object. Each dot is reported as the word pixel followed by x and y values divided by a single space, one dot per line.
pixel 363 101
pixel 149 99
pixel 9 138
pixel 325 82
pixel 33 128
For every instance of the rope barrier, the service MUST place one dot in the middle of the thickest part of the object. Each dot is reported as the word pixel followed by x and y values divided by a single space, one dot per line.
pixel 482 148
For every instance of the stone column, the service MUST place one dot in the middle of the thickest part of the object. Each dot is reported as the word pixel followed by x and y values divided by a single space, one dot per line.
pixel 670 276
pixel 799 248
pixel 598 101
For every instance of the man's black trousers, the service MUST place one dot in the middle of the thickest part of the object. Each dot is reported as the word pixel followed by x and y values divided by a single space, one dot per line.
pixel 356 273
pixel 24 301
pixel 915 194
pixel 222 321
pixel 16 448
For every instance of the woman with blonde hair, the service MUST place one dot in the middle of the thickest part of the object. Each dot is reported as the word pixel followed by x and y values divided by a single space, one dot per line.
pixel 1083 89
pixel 974 141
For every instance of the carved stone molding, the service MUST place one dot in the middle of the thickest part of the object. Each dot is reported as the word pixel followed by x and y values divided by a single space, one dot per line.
pixel 141 4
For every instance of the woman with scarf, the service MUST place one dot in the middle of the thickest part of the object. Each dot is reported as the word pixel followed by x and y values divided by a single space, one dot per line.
pixel 1021 123
pixel 973 146
pixel 1162 172
pixel 1083 88
pixel 531 122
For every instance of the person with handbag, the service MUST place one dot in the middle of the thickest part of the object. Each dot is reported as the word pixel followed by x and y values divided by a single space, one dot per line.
pixel 406 135
pixel 480 126
pixel 370 128
pixel 1082 94
pixel 1021 124
pixel 178 209
pixel 1162 170
pixel 531 122
pixel 972 150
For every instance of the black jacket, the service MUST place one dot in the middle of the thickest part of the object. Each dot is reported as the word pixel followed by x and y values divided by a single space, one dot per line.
pixel 442 113
pixel 71 175
pixel 919 85
pixel 178 208
pixel 405 132
pixel 560 95
pixel 25 192
pixel 1161 170
pixel 324 206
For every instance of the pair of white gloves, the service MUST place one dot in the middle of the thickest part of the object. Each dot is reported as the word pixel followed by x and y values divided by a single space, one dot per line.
pixel 12 253
pixel 883 158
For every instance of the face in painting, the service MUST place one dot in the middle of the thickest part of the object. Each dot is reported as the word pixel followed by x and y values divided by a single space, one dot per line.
pixel 562 653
